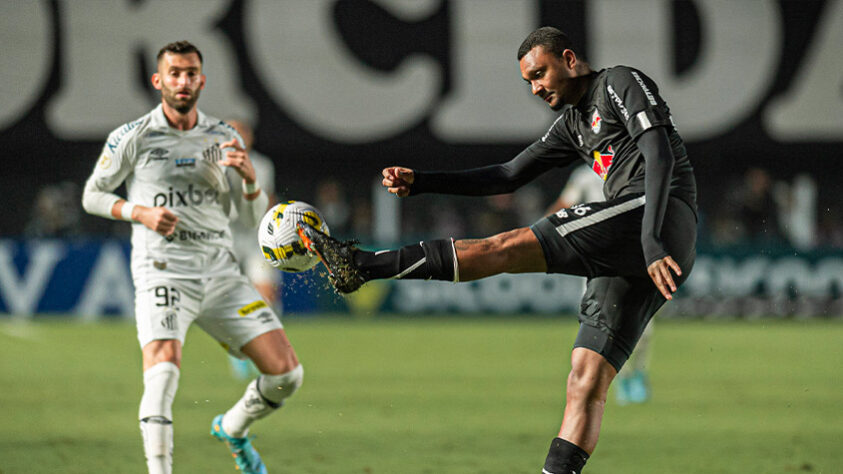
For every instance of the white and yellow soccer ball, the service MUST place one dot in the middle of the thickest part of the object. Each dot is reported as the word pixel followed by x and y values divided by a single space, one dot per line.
pixel 280 243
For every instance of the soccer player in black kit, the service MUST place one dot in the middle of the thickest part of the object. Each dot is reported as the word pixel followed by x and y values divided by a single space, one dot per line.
pixel 635 248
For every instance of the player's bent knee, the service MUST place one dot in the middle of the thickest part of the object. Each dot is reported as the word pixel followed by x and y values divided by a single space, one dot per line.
pixel 587 383
pixel 161 350
pixel 276 388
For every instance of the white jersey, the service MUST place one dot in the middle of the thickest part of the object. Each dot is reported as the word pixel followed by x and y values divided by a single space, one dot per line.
pixel 178 170
pixel 583 186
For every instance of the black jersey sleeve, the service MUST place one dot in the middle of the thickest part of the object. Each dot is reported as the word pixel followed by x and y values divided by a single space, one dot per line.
pixel 501 178
pixel 552 150
pixel 635 98
pixel 658 157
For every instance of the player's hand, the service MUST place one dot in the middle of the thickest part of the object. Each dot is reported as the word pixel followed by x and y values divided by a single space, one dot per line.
pixel 398 180
pixel 660 273
pixel 239 160
pixel 159 219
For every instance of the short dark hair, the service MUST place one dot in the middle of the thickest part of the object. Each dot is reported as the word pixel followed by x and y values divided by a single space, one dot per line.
pixel 552 39
pixel 180 47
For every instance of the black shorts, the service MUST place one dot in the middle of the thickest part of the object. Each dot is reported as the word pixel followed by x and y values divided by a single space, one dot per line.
pixel 602 241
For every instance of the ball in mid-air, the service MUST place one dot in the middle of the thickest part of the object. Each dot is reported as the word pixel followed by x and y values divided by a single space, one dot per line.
pixel 280 242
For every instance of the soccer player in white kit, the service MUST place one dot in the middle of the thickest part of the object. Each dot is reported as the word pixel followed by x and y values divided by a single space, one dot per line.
pixel 187 174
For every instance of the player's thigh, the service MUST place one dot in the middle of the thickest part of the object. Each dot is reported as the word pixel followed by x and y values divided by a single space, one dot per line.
pixel 272 352
pixel 614 313
pixel 602 238
pixel 679 234
pixel 234 313
pixel 165 308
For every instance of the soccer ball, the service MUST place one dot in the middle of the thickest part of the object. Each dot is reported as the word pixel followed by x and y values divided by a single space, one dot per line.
pixel 280 243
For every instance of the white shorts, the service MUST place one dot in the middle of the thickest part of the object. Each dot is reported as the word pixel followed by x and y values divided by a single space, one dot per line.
pixel 228 308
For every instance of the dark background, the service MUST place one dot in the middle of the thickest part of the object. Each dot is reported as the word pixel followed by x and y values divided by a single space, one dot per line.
pixel 35 157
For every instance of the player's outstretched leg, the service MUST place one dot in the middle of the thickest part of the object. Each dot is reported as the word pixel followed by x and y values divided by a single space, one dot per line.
pixel 350 267
pixel 337 257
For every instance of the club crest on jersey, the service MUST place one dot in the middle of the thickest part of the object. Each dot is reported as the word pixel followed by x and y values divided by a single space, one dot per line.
pixel 596 121
pixel 602 162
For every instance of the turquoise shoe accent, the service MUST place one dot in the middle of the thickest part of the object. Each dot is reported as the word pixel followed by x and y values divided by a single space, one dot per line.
pixel 245 456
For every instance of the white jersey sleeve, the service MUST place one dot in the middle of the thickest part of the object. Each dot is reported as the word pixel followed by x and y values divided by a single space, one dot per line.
pixel 113 167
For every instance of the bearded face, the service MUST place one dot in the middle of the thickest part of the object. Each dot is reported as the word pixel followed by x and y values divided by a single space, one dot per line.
pixel 180 80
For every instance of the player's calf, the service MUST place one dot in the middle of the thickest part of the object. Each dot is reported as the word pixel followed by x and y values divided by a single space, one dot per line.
pixel 430 260
pixel 156 415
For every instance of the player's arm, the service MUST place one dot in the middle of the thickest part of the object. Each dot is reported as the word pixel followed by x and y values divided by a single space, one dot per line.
pixel 495 179
pixel 253 203
pixel 552 150
pixel 98 197
pixel 655 146
pixel 637 103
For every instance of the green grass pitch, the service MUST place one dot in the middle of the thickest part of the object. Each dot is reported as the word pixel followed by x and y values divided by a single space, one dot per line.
pixel 482 395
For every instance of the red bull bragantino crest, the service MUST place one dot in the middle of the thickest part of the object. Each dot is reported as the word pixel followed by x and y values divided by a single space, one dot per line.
pixel 595 121
pixel 602 162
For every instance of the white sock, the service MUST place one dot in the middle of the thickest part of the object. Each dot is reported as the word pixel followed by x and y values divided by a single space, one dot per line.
pixel 262 397
pixel 157 435
pixel 156 414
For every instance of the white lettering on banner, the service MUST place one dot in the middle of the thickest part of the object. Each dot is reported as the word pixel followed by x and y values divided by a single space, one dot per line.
pixel 22 294
pixel 109 285
pixel 310 73
pixel 499 294
pixel 100 78
pixel 302 61
pixel 764 276
pixel 813 110
pixel 803 277
pixel 736 65
pixel 25 68
pixel 488 100
pixel 739 278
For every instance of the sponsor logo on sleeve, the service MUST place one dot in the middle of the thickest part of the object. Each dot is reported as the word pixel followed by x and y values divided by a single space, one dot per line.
pixel 644 87
pixel 546 135
pixel 112 144
pixel 618 102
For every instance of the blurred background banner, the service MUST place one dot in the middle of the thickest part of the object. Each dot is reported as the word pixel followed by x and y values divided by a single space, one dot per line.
pixel 91 278
pixel 338 89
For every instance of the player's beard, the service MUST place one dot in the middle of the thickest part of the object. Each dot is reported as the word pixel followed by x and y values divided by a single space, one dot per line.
pixel 183 106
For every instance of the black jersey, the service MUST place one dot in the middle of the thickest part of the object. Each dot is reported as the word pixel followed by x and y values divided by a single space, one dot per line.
pixel 620 104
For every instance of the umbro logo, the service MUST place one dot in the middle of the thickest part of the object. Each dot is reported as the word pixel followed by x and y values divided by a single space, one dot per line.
pixel 158 154
pixel 265 317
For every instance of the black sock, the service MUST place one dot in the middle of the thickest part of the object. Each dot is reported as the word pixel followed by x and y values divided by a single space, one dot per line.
pixel 424 261
pixel 564 457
